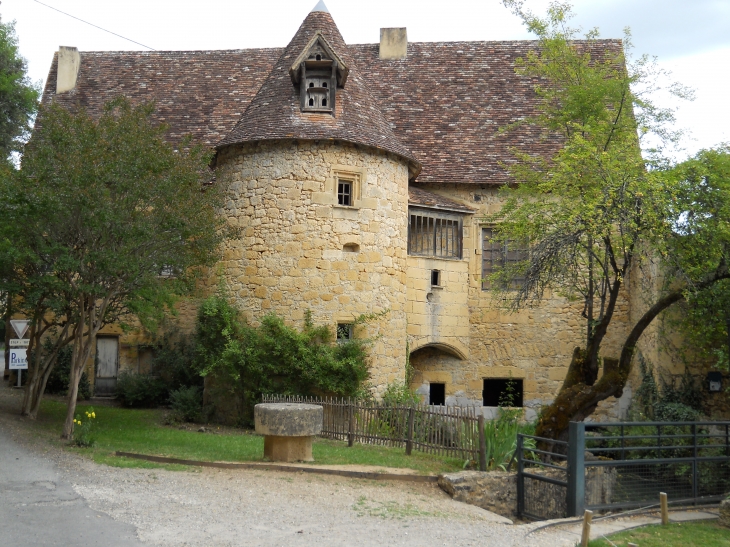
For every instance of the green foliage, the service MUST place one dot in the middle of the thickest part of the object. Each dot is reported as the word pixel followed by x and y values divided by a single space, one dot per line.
pixel 275 358
pixel 174 361
pixel 706 534
pixel 187 404
pixel 399 394
pixel 84 429
pixel 59 378
pixel 673 402
pixel 18 95
pixel 501 438
pixel 141 390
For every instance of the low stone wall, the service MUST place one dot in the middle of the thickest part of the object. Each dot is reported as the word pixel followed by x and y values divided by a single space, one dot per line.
pixel 495 491
pixel 724 513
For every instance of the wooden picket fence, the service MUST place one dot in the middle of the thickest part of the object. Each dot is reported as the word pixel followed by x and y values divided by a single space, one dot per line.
pixel 442 430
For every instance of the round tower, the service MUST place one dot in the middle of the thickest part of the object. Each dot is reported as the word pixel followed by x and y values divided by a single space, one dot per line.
pixel 319 188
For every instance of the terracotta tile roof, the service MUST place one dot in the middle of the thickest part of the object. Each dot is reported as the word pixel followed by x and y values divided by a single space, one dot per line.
pixel 419 197
pixel 275 112
pixel 441 106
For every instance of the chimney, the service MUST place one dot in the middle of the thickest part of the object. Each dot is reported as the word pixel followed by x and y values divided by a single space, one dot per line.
pixel 69 61
pixel 393 43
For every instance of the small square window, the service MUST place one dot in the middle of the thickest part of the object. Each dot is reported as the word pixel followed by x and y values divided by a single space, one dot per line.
pixel 344 332
pixel 435 278
pixel 344 193
pixel 437 394
pixel 502 392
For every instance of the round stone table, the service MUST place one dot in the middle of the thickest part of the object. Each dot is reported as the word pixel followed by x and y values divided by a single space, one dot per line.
pixel 288 429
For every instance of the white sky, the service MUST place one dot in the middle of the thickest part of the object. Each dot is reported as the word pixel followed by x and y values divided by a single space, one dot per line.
pixel 690 38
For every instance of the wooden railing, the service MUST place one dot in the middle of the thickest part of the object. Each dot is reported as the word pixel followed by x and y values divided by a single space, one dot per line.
pixel 443 430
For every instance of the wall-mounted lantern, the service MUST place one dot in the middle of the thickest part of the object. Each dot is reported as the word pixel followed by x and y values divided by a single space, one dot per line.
pixel 714 381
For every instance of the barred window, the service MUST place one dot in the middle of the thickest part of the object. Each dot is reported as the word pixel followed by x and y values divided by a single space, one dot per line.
pixel 497 254
pixel 435 234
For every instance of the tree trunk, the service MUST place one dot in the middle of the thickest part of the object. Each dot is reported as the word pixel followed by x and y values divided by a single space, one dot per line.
pixel 576 400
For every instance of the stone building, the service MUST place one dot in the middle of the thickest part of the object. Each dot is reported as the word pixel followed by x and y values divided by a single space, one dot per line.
pixel 360 176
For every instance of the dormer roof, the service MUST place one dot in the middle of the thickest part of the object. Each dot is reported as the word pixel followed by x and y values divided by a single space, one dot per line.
pixel 275 112
pixel 319 40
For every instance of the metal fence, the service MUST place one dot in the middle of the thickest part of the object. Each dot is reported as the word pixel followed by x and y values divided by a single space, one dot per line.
pixel 542 479
pixel 442 430
pixel 611 466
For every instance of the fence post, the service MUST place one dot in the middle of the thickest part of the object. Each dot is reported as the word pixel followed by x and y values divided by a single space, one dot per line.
pixel 409 436
pixel 576 469
pixel 482 444
pixel 520 477
pixel 350 423
pixel 695 467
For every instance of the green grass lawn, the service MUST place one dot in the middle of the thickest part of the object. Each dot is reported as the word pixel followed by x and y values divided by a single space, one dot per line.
pixel 690 534
pixel 142 432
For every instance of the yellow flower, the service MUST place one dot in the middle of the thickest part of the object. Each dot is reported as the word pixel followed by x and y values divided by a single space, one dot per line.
pixel 74 420
pixel 93 414
pixel 79 422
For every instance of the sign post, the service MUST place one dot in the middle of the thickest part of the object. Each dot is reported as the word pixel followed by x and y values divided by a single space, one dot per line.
pixel 19 347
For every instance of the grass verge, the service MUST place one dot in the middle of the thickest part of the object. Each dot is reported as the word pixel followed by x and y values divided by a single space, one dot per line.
pixel 142 432
pixel 700 534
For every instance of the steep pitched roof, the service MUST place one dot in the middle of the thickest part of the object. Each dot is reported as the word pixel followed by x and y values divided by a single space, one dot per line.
pixel 442 106
pixel 275 111
pixel 197 93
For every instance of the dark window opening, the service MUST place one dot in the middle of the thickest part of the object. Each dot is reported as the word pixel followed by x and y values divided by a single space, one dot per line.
pixel 318 57
pixel 434 234
pixel 344 332
pixel 436 278
pixel 497 254
pixel 351 247
pixel 311 102
pixel 324 102
pixel 437 394
pixel 344 193
pixel 502 392
pixel 324 84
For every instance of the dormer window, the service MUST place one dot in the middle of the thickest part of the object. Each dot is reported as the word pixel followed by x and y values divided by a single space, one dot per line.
pixel 318 72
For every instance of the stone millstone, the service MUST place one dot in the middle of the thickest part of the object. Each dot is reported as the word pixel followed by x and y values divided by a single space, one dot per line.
pixel 288 429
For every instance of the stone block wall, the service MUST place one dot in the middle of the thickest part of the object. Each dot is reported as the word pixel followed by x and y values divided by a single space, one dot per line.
pixel 299 250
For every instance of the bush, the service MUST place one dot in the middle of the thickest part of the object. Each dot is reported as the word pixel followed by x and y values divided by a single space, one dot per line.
pixel 399 394
pixel 60 375
pixel 275 358
pixel 186 404
pixel 174 361
pixel 141 390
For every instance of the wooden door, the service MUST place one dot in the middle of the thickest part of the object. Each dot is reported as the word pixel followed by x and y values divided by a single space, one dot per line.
pixel 107 366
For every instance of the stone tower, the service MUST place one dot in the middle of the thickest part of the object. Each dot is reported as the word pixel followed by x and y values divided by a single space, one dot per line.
pixel 319 188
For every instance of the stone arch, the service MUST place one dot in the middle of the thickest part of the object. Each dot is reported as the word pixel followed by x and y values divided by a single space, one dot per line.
pixel 452 348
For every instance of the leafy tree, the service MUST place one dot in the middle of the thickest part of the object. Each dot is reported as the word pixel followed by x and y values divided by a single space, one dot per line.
pixel 18 95
pixel 117 222
pixel 596 209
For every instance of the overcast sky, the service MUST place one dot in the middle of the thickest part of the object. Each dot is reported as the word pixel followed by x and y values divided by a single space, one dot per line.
pixel 690 38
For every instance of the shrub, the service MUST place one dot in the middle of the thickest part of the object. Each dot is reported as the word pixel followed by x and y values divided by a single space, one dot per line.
pixel 275 358
pixel 174 361
pixel 59 378
pixel 186 404
pixel 399 394
pixel 141 390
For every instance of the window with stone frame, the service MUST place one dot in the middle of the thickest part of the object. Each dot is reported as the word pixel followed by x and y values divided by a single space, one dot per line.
pixel 345 332
pixel 435 233
pixel 498 254
pixel 345 192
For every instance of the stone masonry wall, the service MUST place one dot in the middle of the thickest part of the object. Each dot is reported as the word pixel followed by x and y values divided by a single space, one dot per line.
pixel 534 344
pixel 299 250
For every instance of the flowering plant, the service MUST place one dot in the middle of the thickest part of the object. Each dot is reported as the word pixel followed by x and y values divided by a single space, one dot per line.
pixel 83 429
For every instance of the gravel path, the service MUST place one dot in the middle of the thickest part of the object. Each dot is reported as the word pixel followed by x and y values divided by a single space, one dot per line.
pixel 212 507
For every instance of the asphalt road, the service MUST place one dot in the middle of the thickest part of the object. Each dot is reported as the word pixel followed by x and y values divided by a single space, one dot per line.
pixel 38 508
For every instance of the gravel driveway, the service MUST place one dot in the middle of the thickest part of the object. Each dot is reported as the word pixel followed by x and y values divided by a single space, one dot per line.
pixel 212 507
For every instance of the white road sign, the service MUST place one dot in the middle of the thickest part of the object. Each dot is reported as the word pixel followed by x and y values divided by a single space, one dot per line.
pixel 19 342
pixel 18 359
pixel 20 326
